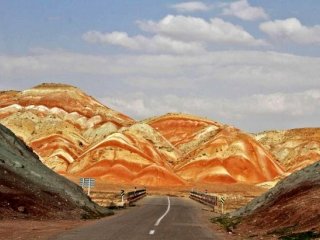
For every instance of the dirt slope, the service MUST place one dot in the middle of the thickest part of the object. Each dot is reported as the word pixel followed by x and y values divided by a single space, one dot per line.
pixel 30 189
pixel 293 205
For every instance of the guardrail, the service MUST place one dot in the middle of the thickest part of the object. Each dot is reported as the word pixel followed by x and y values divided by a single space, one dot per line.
pixel 134 196
pixel 204 198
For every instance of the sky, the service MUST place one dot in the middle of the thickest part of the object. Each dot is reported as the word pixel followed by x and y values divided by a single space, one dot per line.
pixel 252 64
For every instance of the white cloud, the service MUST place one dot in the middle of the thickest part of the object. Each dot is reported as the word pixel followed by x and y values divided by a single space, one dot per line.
pixel 243 10
pixel 241 68
pixel 291 104
pixel 197 29
pixel 243 110
pixel 178 34
pixel 156 43
pixel 190 6
pixel 115 38
pixel 256 112
pixel 291 29
pixel 225 83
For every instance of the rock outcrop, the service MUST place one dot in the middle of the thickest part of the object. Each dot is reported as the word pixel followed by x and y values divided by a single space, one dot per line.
pixel 30 189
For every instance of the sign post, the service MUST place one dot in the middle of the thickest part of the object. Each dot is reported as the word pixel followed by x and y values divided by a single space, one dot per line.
pixel 122 196
pixel 222 200
pixel 87 183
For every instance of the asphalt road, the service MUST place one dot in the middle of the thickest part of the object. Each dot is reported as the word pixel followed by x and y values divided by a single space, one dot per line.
pixel 155 217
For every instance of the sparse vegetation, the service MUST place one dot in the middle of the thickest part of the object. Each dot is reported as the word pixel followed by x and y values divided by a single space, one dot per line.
pixel 227 222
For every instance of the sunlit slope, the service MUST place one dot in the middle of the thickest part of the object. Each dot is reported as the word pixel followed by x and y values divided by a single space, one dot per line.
pixel 295 148
pixel 136 154
pixel 58 121
pixel 213 152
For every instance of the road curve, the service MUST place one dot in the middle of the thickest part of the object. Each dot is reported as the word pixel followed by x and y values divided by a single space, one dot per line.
pixel 155 217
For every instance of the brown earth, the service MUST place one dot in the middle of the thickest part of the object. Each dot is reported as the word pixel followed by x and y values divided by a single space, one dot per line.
pixel 35 229
pixel 291 207
pixel 29 189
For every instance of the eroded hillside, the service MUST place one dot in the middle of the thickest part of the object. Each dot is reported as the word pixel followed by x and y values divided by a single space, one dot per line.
pixel 295 148
pixel 76 135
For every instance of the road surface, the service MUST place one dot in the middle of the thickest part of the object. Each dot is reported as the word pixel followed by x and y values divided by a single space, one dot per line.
pixel 155 217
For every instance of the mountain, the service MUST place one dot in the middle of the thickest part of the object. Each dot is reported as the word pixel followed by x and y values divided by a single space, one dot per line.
pixel 214 152
pixel 293 205
pixel 30 189
pixel 75 135
pixel 295 148
pixel 58 121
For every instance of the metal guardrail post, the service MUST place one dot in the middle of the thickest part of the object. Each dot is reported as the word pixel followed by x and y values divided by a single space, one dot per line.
pixel 204 198
pixel 135 195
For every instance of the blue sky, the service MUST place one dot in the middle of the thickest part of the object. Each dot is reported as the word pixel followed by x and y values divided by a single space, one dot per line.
pixel 253 64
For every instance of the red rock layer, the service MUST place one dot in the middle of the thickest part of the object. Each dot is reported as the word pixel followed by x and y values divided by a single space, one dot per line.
pixel 58 121
pixel 213 152
pixel 228 157
pixel 134 155
pixel 180 128
pixel 65 97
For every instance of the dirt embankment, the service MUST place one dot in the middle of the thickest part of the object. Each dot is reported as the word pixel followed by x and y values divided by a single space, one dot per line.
pixel 291 208
pixel 29 189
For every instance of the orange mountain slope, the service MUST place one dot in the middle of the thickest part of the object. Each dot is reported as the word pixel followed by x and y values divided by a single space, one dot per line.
pixel 295 148
pixel 181 129
pixel 58 121
pixel 213 152
pixel 135 154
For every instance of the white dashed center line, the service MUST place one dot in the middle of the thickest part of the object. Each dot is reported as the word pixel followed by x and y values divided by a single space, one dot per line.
pixel 162 217
pixel 168 209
